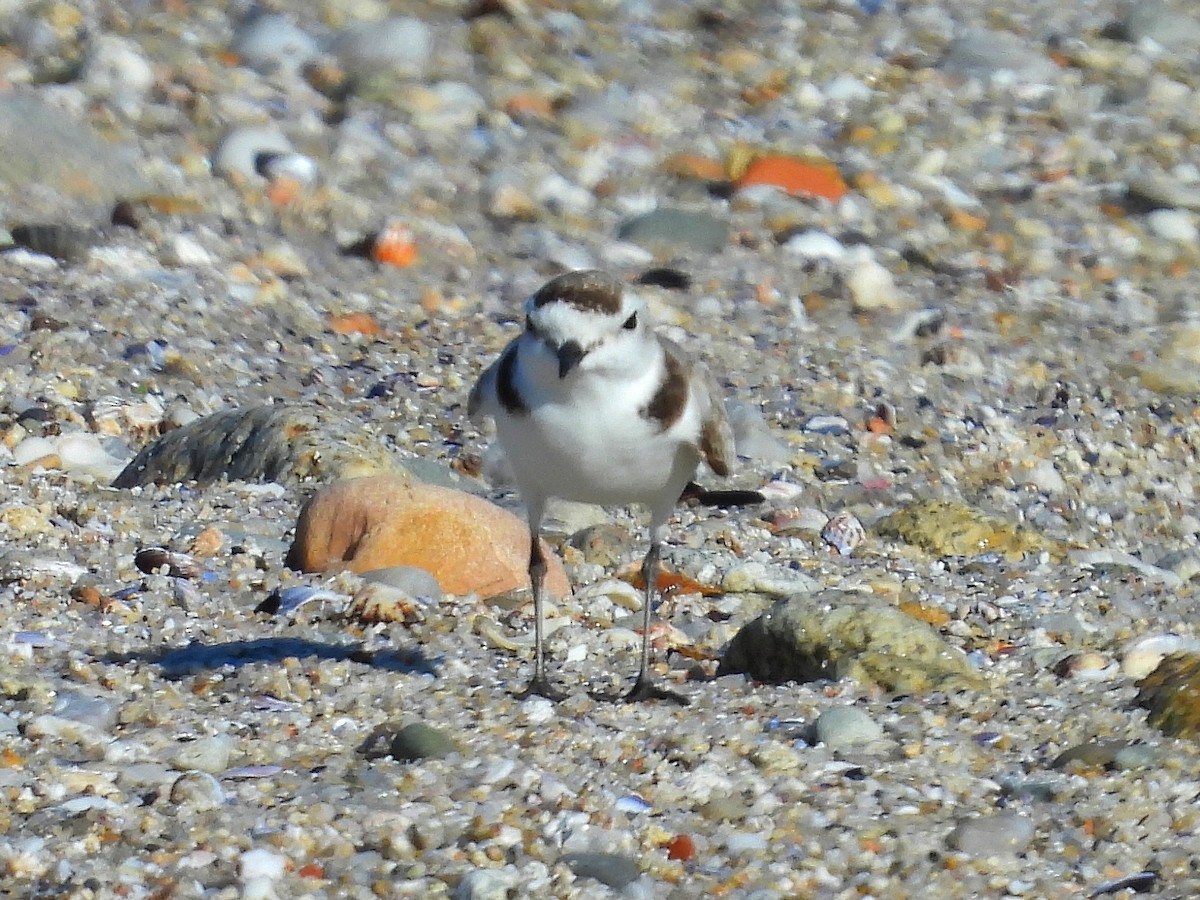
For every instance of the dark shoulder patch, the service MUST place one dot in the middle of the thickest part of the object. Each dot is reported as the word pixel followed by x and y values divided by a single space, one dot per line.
pixel 589 290
pixel 669 401
pixel 506 382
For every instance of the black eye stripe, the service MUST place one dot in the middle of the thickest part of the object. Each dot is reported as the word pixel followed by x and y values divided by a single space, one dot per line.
pixel 630 323
pixel 529 326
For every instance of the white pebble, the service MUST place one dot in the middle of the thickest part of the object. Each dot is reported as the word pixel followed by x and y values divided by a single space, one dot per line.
pixel 271 43
pixel 872 286
pixel 30 449
pixel 261 863
pixel 116 69
pixel 1177 225
pixel 815 244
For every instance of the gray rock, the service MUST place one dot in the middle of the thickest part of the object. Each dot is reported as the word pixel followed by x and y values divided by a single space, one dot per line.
pixel 8 725
pixel 613 869
pixel 402 44
pixel 412 580
pixel 1136 756
pixel 1097 753
pixel 261 443
pixel 45 148
pixel 983 53
pixel 421 741
pixel 1152 20
pixel 840 635
pixel 752 436
pixel 484 884
pixel 269 42
pixel 98 712
pixel 1001 834
pixel 846 726
pixel 671 228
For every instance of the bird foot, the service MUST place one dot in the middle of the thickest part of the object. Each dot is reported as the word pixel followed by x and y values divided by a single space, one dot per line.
pixel 647 689
pixel 540 686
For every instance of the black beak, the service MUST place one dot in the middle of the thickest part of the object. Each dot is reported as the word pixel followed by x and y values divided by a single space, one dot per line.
pixel 569 355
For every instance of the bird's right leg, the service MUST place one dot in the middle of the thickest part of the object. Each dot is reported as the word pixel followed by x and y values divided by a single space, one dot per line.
pixel 539 684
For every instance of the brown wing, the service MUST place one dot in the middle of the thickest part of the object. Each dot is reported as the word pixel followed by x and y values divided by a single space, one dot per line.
pixel 716 437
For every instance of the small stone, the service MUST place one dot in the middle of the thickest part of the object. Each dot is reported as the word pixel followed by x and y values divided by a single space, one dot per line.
pixel 753 437
pixel 206 754
pixel 774 581
pixel 1154 20
pixel 270 42
pixel 398 45
pixel 1178 225
pixel 1097 754
pixel 262 863
pixel 846 726
pixel 872 286
pixel 117 69
pixel 470 546
pixel 615 870
pixel 98 712
pixel 606 544
pixel 1136 756
pixel 421 741
pixel 259 443
pixel 198 790
pixel 987 53
pixel 484 884
pixel 1001 834
pixel 672 228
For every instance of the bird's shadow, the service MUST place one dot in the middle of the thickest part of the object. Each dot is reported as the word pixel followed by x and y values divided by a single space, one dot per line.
pixel 180 662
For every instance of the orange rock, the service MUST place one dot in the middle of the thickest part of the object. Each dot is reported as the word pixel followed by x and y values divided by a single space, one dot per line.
pixel 693 165
pixel 803 179
pixel 355 323
pixel 468 544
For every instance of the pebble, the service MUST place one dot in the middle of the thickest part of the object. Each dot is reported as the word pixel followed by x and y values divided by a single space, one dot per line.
pixel 419 741
pixel 675 229
pixel 1178 225
pixel 871 285
pixel 403 45
pixel 846 726
pixel 484 884
pixel 118 70
pixel 773 581
pixel 271 42
pixel 999 834
pixel 206 754
pixel 753 437
pixel 616 870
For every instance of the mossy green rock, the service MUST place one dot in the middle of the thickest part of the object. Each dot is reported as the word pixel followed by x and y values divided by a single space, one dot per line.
pixel 833 635
pixel 1172 694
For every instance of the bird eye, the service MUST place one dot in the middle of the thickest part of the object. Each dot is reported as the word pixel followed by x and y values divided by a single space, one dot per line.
pixel 630 323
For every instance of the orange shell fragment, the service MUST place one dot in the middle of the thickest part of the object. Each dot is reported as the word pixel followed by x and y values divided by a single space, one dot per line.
pixel 355 323
pixel 394 246
pixel 799 178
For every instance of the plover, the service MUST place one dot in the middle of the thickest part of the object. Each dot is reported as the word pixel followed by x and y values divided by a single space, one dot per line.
pixel 591 405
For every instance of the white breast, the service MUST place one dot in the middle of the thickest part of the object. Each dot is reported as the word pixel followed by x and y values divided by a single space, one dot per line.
pixel 585 438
